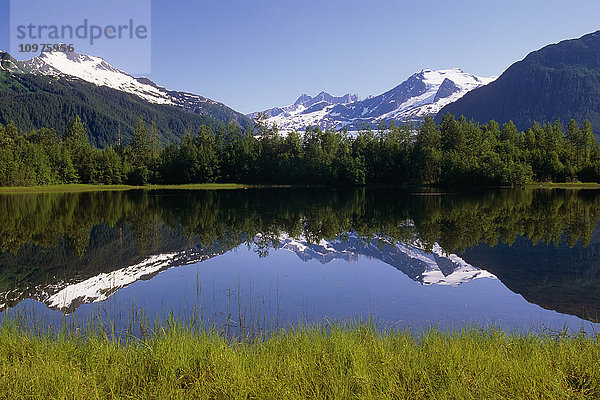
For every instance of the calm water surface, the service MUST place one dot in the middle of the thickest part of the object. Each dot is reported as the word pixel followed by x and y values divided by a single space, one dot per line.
pixel 521 259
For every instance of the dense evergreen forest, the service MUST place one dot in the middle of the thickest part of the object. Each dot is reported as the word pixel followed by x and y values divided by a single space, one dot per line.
pixel 456 152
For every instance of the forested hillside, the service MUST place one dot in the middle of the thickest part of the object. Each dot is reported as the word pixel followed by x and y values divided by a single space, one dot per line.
pixel 34 101
pixel 559 81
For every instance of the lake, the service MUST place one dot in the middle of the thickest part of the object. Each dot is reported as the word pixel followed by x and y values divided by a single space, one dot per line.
pixel 261 259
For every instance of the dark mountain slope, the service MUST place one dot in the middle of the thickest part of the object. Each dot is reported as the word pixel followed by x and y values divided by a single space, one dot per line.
pixel 559 81
pixel 33 102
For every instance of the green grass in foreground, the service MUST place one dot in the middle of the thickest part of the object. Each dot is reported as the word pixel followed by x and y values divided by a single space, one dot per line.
pixel 92 188
pixel 339 362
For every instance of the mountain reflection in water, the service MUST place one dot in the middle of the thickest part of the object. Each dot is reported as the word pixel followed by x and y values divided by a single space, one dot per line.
pixel 70 249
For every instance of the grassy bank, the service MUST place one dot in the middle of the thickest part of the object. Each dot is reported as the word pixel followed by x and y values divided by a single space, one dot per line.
pixel 323 362
pixel 71 188
pixel 568 185
pixel 92 188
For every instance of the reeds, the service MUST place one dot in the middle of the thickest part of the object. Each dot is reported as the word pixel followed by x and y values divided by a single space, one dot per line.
pixel 182 359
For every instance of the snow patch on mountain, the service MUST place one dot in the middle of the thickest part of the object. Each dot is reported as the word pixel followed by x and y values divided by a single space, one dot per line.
pixel 7 63
pixel 432 101
pixel 97 71
pixel 305 111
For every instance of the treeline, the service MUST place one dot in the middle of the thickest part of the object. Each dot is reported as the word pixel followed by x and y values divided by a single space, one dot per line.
pixel 453 152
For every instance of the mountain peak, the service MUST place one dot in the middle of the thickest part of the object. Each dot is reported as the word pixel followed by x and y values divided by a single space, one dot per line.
pixel 307 100
pixel 302 99
pixel 63 61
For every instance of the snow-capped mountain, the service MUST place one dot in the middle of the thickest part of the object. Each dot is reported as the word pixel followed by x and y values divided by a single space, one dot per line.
pixel 97 71
pixel 424 93
pixel 305 102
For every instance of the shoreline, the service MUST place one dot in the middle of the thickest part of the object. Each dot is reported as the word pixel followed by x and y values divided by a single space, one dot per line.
pixel 76 188
pixel 567 185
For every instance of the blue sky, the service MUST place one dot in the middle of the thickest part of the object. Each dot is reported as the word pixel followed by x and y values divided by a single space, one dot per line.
pixel 256 54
